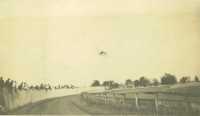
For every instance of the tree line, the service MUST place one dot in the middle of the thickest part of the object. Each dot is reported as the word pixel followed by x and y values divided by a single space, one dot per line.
pixel 14 85
pixel 166 79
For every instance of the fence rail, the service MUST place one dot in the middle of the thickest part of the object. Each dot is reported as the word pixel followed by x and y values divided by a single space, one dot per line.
pixel 155 104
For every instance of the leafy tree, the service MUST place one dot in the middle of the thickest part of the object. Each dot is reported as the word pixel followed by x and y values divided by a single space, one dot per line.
pixel 95 83
pixel 184 79
pixel 128 82
pixel 196 79
pixel 1 82
pixel 155 82
pixel 110 84
pixel 106 83
pixel 136 83
pixel 115 85
pixel 168 79
pixel 144 81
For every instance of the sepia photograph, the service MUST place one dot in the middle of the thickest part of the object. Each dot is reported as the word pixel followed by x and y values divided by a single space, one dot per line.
pixel 100 57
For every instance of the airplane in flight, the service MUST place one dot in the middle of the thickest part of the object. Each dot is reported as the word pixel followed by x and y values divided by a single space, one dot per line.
pixel 102 53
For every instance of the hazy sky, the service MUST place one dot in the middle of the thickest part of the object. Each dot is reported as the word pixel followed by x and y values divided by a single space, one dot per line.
pixel 59 40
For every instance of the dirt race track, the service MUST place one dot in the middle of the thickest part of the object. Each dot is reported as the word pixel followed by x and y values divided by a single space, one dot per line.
pixel 63 105
pixel 69 105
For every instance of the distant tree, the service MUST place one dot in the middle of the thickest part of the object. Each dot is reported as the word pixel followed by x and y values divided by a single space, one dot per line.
pixel 37 87
pixel 155 82
pixel 95 83
pixel 144 81
pixel 31 87
pixel 42 86
pixel 1 82
pixel 136 83
pixel 184 79
pixel 105 83
pixel 110 84
pixel 128 82
pixel 115 85
pixel 196 79
pixel 168 79
pixel 20 87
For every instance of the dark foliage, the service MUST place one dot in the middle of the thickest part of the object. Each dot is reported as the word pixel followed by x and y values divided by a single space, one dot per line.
pixel 95 83
pixel 168 79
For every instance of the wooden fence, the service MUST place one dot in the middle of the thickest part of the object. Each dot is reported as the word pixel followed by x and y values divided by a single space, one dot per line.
pixel 154 104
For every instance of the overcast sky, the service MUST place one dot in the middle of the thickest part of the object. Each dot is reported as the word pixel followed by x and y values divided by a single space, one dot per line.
pixel 58 41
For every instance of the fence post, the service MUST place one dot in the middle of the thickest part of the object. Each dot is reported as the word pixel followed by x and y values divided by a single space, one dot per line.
pixel 136 101
pixel 105 98
pixel 156 104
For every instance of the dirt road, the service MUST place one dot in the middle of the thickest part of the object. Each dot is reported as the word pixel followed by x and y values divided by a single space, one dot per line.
pixel 69 105
pixel 63 105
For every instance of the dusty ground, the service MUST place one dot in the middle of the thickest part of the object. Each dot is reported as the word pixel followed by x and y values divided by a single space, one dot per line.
pixel 69 105
pixel 74 105
pixel 63 105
